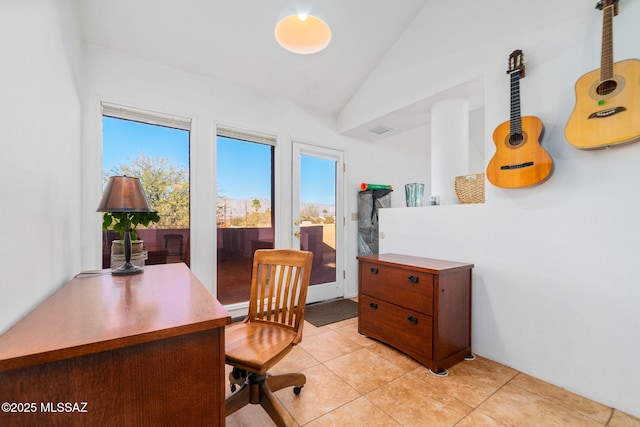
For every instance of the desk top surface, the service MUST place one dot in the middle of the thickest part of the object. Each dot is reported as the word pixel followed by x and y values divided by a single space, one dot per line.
pixel 100 312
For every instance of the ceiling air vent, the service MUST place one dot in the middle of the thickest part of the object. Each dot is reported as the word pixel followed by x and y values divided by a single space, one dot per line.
pixel 380 130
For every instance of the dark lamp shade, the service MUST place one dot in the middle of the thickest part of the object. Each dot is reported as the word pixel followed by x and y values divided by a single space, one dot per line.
pixel 124 194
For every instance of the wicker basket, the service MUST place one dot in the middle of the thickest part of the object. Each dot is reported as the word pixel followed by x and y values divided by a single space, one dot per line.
pixel 470 188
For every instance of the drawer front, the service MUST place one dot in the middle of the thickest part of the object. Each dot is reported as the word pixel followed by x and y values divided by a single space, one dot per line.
pixel 406 330
pixel 403 287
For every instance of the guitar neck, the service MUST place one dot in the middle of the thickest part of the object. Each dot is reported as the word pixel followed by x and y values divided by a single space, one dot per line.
pixel 515 126
pixel 606 64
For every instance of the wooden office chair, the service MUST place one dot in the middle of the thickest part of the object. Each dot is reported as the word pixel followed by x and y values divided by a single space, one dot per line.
pixel 279 283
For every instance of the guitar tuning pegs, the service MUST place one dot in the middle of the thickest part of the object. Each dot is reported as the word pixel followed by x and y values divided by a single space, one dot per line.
pixel 606 3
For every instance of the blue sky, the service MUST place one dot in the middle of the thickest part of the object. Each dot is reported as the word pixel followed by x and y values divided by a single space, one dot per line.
pixel 253 178
pixel 318 180
pixel 124 139
pixel 242 169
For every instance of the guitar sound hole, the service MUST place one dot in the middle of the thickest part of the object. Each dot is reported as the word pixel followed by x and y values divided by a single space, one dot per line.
pixel 516 139
pixel 605 88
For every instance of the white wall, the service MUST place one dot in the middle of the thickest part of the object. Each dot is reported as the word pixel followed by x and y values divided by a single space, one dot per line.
pixel 556 290
pixel 40 80
pixel 397 160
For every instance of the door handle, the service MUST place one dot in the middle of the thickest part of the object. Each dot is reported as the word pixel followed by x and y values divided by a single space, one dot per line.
pixel 297 234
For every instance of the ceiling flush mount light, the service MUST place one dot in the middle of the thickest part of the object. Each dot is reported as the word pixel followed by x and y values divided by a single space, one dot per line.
pixel 303 33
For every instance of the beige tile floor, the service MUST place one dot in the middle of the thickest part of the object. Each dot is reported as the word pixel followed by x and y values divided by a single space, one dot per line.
pixel 355 381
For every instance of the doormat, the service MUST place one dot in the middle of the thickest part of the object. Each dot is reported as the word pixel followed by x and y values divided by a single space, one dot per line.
pixel 325 313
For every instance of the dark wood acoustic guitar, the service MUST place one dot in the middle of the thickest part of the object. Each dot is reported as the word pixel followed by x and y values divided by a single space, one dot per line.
pixel 519 160
pixel 607 110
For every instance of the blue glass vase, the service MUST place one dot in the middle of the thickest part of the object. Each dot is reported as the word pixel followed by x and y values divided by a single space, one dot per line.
pixel 414 193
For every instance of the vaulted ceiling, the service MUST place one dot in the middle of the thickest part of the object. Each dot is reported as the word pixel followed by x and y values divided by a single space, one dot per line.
pixel 232 41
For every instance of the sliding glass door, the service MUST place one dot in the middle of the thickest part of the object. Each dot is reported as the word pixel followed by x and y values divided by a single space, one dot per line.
pixel 245 209
pixel 246 212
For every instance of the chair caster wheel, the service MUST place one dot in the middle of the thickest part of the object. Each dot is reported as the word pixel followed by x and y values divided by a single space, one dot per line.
pixel 233 388
pixel 297 390
pixel 238 373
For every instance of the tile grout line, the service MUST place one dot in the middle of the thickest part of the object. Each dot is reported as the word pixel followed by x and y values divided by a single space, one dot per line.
pixel 383 411
pixel 477 407
pixel 474 410
pixel 498 389
pixel 559 403
pixel 613 410
pixel 346 383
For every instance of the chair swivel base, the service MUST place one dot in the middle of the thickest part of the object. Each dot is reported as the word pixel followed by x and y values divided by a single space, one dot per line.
pixel 259 389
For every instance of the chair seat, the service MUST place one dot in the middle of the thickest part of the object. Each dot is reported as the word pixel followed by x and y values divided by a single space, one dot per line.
pixel 255 346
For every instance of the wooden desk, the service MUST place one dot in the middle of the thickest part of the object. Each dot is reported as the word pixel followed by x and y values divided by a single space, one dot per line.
pixel 142 350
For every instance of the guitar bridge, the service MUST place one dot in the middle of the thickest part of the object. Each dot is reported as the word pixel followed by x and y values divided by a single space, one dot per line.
pixel 606 113
pixel 518 166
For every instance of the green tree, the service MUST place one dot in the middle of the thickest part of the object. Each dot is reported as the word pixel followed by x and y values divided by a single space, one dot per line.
pixel 255 205
pixel 166 186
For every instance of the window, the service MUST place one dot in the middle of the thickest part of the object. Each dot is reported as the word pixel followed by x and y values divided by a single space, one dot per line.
pixel 245 208
pixel 154 148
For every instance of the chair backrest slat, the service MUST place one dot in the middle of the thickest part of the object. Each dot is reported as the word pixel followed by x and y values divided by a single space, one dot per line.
pixel 292 300
pixel 279 283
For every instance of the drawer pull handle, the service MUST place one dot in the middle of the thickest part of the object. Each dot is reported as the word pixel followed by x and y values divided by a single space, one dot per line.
pixel 412 320
pixel 373 305
pixel 373 270
pixel 413 279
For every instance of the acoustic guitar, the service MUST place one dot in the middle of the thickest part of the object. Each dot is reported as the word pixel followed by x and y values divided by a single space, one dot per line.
pixel 607 110
pixel 519 160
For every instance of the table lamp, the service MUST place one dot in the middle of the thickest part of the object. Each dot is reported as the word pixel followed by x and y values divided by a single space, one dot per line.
pixel 125 194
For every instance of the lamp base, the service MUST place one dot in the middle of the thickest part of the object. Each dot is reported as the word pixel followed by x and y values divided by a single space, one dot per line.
pixel 127 269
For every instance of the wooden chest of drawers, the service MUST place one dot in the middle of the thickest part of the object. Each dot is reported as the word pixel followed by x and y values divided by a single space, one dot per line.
pixel 420 306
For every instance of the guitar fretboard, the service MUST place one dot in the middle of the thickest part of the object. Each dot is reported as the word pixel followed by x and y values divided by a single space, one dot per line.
pixel 606 65
pixel 515 126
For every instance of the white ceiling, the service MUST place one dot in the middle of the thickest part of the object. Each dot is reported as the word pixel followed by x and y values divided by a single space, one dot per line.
pixel 232 41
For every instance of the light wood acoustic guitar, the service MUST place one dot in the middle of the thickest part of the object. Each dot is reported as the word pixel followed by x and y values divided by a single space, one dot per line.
pixel 519 160
pixel 607 110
